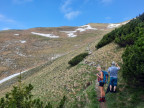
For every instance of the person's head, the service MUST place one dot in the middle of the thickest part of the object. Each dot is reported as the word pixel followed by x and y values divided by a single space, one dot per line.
pixel 113 63
pixel 99 68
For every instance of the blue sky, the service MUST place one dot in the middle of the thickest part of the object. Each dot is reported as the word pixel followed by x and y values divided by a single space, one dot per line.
pixel 23 14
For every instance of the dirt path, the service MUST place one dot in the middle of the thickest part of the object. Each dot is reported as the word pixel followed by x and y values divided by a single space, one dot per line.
pixel 102 104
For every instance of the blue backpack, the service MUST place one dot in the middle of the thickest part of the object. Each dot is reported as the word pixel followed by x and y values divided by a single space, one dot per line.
pixel 105 76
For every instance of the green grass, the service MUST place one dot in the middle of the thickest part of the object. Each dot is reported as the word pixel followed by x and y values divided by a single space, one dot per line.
pixel 92 97
pixel 86 98
pixel 126 97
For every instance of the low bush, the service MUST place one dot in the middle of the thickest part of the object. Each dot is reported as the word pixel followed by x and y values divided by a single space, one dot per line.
pixel 133 66
pixel 106 39
pixel 126 34
pixel 21 97
pixel 77 59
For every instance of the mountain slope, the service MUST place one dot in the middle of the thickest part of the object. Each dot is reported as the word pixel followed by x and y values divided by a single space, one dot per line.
pixel 56 79
pixel 21 50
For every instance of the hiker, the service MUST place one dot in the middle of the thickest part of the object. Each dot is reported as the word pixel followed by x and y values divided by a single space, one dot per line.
pixel 113 70
pixel 101 84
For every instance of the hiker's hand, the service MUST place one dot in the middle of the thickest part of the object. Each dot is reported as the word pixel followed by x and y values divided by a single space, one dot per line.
pixel 97 75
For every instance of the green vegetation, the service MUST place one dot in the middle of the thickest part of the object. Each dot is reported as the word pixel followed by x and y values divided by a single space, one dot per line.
pixel 125 35
pixel 77 59
pixel 126 96
pixel 132 36
pixel 108 38
pixel 131 77
pixel 86 98
pixel 133 66
pixel 21 97
pixel 129 33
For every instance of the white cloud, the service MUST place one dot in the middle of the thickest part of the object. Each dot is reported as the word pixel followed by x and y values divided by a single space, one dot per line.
pixel 68 11
pixel 72 14
pixel 21 1
pixel 5 19
pixel 65 6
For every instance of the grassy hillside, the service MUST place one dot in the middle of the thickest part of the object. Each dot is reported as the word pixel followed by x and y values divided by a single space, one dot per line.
pixel 21 50
pixel 56 79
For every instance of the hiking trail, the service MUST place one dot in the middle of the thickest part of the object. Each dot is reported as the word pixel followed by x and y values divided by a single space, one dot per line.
pixel 102 104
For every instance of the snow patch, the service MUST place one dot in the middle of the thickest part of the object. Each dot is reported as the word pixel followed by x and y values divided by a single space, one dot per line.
pixel 113 25
pixel 16 34
pixel 80 29
pixel 20 54
pixel 125 22
pixel 16 74
pixel 70 33
pixel 22 41
pixel 116 25
pixel 56 56
pixel 10 77
pixel 45 35
pixel 86 27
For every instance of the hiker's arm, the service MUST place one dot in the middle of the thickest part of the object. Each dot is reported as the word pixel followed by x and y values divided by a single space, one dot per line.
pixel 117 65
pixel 101 75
